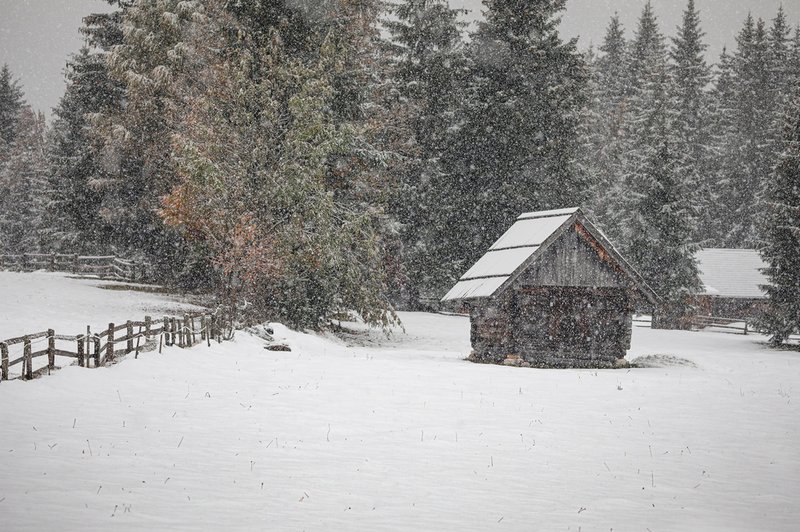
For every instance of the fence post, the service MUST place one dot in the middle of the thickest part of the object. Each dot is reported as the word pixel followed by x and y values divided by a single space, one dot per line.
pixel 183 338
pixel 129 332
pixel 192 338
pixel 27 363
pixel 81 355
pixel 51 349
pixel 745 328
pixel 52 265
pixel 4 363
pixel 166 330
pixel 147 325
pixel 203 333
pixel 180 330
pixel 24 262
pixel 89 343
pixel 110 344
pixel 75 263
pixel 97 352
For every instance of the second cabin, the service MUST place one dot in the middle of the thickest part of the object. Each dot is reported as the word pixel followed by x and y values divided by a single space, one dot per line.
pixel 551 292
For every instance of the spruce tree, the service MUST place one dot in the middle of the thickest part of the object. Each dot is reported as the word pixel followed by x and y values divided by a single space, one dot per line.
pixel 689 102
pixel 517 147
pixel 747 146
pixel 781 246
pixel 277 178
pixel 73 223
pixel 658 228
pixel 426 71
pixel 648 50
pixel 22 183
pixel 793 71
pixel 12 103
pixel 154 67
pixel 778 66
pixel 717 183
pixel 607 145
pixel 660 232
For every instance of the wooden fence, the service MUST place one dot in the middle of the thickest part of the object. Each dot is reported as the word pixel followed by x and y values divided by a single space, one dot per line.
pixel 98 349
pixel 733 325
pixel 103 266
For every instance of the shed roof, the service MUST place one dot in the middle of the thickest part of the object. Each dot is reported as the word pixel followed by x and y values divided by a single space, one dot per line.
pixel 520 246
pixel 732 273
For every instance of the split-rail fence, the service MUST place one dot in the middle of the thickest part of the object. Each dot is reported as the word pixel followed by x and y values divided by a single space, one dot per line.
pixel 103 266
pixel 101 348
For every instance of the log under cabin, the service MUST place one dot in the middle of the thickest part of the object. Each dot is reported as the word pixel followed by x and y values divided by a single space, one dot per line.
pixel 551 292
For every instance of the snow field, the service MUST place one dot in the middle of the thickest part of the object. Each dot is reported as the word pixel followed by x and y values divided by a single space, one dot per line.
pixel 35 302
pixel 402 434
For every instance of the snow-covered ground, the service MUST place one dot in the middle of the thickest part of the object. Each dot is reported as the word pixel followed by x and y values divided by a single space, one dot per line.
pixel 33 302
pixel 401 434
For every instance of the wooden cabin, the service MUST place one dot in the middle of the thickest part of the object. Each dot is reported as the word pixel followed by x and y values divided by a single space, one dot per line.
pixel 732 281
pixel 551 292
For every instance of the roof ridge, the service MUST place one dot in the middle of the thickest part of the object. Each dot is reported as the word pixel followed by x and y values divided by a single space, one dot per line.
pixel 548 214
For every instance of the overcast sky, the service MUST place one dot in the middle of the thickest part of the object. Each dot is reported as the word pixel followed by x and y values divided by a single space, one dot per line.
pixel 36 36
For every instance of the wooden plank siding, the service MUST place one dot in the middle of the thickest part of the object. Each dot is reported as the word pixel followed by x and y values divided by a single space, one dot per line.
pixel 571 261
pixel 571 307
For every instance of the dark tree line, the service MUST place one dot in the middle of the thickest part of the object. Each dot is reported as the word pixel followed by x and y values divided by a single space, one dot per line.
pixel 294 156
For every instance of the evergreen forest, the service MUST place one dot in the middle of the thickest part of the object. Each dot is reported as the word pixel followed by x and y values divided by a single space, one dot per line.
pixel 306 159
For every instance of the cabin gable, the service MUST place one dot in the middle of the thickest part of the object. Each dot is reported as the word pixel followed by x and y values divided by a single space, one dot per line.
pixel 574 259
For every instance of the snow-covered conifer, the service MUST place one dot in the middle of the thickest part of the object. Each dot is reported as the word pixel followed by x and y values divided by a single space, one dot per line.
pixel 607 143
pixel 12 102
pixel 22 183
pixel 689 102
pixel 425 77
pixel 781 234
pixel 517 149
pixel 658 228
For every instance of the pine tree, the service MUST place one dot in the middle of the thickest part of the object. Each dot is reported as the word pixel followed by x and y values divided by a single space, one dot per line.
pixel 648 51
pixel 778 66
pixel 12 103
pixel 660 241
pixel 22 183
pixel 658 229
pixel 517 146
pixel 781 249
pixel 793 70
pixel 73 223
pixel 749 138
pixel 154 66
pixel 690 109
pixel 274 170
pixel 103 31
pixel 425 76
pixel 717 184
pixel 607 144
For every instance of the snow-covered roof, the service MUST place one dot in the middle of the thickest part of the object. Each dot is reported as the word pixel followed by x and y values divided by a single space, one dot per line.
pixel 516 249
pixel 506 255
pixel 731 272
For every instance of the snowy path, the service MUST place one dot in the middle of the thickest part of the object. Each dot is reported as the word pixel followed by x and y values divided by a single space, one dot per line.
pixel 404 434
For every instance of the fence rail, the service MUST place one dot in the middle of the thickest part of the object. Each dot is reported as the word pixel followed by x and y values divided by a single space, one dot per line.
pixel 730 324
pixel 103 266
pixel 98 349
